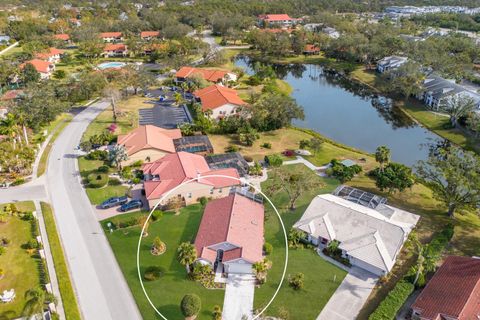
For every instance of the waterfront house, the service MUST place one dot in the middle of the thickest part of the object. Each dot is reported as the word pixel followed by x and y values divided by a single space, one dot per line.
pixel 370 233
pixel 167 173
pixel 311 49
pixel 111 36
pixel 453 293
pixel 211 75
pixel 230 236
pixel 115 50
pixel 219 102
pixel 43 67
pixel 390 63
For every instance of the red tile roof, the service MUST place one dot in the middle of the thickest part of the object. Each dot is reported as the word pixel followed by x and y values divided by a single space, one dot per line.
pixel 276 17
pixel 11 94
pixel 40 65
pixel 311 48
pixel 175 168
pixel 110 35
pixel 149 137
pixel 62 36
pixel 115 47
pixel 49 53
pixel 234 219
pixel 207 74
pixel 216 96
pixel 454 291
pixel 145 34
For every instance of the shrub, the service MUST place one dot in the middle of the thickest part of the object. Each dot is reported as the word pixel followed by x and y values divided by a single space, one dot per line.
pixel 216 314
pixel 28 216
pixel 394 176
pixel 389 307
pixel 156 215
pixel 103 169
pixel 203 200
pixel 267 145
pixel 342 172
pixel 267 248
pixel 274 160
pixel 248 158
pixel 296 280
pixel 232 148
pixel 86 146
pixel 97 155
pixel 256 169
pixel 114 182
pixel 136 180
pixel 153 273
pixel 97 180
pixel 31 244
pixel 18 182
pixel 191 305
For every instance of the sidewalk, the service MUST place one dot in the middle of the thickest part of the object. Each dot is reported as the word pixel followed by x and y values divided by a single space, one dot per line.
pixel 50 264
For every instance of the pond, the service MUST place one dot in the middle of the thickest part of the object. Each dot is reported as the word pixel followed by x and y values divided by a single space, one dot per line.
pixel 350 113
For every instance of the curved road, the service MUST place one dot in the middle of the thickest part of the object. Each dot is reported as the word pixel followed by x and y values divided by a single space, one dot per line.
pixel 100 287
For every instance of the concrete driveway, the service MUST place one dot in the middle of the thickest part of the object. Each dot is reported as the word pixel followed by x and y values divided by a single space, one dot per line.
pixel 348 299
pixel 238 299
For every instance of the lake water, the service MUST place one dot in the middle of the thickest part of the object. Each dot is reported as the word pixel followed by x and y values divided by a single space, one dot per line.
pixel 350 114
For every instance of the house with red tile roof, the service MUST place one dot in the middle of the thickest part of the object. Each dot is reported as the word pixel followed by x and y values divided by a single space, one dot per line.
pixel 11 95
pixel 52 55
pixel 453 293
pixel 149 35
pixel 278 19
pixel 111 36
pixel 230 236
pixel 211 75
pixel 115 50
pixel 311 49
pixel 169 172
pixel 219 101
pixel 43 67
pixel 62 36
pixel 148 143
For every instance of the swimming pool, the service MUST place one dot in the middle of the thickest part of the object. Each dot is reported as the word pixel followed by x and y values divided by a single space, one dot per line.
pixel 108 65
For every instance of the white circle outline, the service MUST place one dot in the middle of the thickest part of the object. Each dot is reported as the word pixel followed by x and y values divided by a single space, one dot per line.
pixel 196 179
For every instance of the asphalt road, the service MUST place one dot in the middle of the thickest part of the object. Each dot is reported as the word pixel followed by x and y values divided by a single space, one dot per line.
pixel 101 289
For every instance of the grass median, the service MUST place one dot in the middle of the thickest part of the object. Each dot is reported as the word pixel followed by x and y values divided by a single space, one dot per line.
pixel 64 282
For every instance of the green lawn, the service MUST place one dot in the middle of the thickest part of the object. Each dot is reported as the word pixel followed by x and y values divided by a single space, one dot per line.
pixel 21 271
pixel 167 292
pixel 98 195
pixel 64 282
pixel 319 274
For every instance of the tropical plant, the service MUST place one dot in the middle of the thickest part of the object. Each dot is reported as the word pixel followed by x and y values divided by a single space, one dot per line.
pixel 186 254
pixel 457 106
pixel 158 246
pixel 296 280
pixel 294 237
pixel 217 313
pixel 116 156
pixel 35 300
pixel 261 268
pixel 382 156
pixel 191 305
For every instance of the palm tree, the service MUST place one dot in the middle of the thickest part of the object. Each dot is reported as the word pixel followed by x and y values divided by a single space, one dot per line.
pixel 382 156
pixel 117 155
pixel 260 269
pixel 35 302
pixel 114 95
pixel 186 254
pixel 9 127
pixel 458 106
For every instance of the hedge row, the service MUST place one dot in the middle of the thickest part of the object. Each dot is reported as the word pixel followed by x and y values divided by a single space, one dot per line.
pixel 389 307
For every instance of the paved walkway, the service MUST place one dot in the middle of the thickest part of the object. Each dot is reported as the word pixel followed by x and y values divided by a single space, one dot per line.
pixel 239 293
pixel 311 166
pixel 350 296
pixel 50 264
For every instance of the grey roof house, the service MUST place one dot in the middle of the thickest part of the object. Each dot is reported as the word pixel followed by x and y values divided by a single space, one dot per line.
pixel 390 63
pixel 370 236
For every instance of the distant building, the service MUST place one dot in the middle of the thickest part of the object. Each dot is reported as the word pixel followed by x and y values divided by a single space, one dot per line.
pixel 149 35
pixel 211 75
pixel 62 37
pixel 52 55
pixel 45 68
pixel 390 63
pixel 453 293
pixel 111 36
pixel 313 27
pixel 115 50
pixel 311 49
pixel 331 32
pixel 278 19
pixel 230 236
pixel 370 233
pixel 219 101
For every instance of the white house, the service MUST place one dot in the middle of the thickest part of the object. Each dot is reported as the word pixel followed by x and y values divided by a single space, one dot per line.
pixel 390 63
pixel 115 50
pixel 111 36
pixel 44 68
pixel 370 234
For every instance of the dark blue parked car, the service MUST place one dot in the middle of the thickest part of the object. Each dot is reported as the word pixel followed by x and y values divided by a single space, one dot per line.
pixel 132 204
pixel 113 202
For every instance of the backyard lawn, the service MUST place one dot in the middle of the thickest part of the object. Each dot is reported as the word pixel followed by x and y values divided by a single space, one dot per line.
pixel 167 292
pixel 21 271
pixel 319 274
